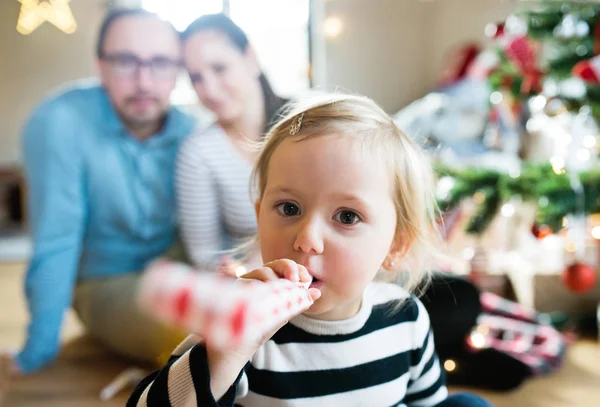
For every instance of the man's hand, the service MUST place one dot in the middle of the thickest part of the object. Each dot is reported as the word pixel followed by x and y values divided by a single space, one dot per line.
pixel 8 371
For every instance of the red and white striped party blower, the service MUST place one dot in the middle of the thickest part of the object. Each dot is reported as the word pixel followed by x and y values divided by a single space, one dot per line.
pixel 225 313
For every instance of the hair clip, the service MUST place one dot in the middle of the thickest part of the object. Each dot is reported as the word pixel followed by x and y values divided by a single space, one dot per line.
pixel 296 125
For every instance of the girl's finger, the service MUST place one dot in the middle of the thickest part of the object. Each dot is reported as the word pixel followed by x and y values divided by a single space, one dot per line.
pixel 285 268
pixel 314 293
pixel 262 274
pixel 305 276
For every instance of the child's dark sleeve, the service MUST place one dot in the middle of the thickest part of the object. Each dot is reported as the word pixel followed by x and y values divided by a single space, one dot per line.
pixel 185 378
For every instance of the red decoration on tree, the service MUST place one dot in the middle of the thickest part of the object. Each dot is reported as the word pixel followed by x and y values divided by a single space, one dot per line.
pixel 458 63
pixel 588 70
pixel 541 231
pixel 579 277
pixel 522 52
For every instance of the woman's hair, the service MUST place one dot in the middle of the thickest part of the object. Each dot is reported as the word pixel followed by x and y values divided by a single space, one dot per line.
pixel 224 25
pixel 362 121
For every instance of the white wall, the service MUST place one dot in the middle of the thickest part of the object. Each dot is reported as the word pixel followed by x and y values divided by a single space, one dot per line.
pixel 32 65
pixel 390 50
pixel 380 51
pixel 456 21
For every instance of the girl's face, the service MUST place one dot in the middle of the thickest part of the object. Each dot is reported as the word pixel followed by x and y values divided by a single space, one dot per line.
pixel 330 208
pixel 222 75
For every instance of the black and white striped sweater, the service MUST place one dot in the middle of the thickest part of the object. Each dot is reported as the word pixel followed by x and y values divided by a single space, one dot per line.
pixel 383 356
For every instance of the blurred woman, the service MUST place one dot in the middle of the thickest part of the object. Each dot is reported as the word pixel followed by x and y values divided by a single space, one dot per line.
pixel 214 166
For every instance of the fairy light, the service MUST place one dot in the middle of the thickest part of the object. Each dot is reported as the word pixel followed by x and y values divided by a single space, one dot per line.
pixel 479 198
pixel 558 164
pixel 596 232
pixel 444 187
pixel 332 27
pixel 583 154
pixel 508 210
pixel 570 246
pixel 449 365
pixel 538 102
pixel 468 253
pixel 589 141
pixel 34 13
pixel 496 98
pixel 477 340
pixel 533 125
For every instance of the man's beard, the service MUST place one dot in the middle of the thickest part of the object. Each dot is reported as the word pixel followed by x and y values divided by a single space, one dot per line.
pixel 154 118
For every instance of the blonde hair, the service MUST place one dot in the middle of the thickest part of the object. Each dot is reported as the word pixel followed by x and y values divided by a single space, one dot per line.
pixel 364 121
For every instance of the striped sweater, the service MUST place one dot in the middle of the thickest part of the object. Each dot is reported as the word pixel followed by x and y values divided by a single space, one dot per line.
pixel 213 196
pixel 383 356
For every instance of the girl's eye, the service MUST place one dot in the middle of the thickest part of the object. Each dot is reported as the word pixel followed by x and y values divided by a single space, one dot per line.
pixel 196 78
pixel 219 68
pixel 347 217
pixel 288 209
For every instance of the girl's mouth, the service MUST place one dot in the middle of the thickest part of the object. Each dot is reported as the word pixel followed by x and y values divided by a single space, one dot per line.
pixel 316 283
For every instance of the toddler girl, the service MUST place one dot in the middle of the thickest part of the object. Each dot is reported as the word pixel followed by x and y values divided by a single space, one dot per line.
pixel 343 197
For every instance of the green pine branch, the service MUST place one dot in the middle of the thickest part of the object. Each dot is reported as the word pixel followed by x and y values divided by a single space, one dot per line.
pixel 552 192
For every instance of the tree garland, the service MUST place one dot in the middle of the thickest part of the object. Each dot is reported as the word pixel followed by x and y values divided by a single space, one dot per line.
pixel 553 193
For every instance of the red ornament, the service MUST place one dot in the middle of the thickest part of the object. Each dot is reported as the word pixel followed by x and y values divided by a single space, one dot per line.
pixel 541 231
pixel 588 70
pixel 579 277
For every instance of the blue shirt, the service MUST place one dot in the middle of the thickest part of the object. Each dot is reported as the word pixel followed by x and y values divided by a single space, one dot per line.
pixel 101 203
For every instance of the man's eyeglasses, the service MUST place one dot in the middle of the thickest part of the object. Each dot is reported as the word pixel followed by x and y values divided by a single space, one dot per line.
pixel 128 66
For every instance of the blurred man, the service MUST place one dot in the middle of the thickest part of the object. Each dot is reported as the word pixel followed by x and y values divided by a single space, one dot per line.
pixel 99 161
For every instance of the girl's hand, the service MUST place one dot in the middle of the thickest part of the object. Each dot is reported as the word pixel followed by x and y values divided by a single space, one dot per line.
pixel 283 268
pixel 275 270
pixel 224 366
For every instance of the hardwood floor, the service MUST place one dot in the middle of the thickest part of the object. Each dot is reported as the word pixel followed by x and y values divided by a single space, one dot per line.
pixel 82 370
pixel 84 367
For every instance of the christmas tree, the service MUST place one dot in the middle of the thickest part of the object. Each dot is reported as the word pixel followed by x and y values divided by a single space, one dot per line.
pixel 550 47
pixel 547 72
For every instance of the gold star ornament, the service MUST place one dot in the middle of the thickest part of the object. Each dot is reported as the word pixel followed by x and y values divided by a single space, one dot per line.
pixel 35 13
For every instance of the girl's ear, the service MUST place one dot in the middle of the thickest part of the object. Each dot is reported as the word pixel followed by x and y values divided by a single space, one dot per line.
pixel 396 254
pixel 256 209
